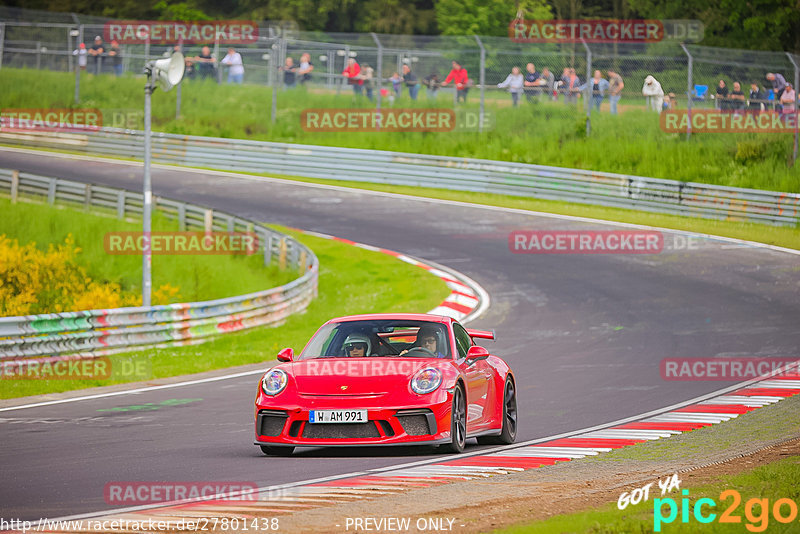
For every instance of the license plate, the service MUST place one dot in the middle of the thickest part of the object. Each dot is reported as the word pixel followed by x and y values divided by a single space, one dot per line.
pixel 337 416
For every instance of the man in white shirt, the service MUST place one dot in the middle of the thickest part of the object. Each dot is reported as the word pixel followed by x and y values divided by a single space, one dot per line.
pixel 235 66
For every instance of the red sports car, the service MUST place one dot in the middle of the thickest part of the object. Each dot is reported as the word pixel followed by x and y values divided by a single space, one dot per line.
pixel 387 379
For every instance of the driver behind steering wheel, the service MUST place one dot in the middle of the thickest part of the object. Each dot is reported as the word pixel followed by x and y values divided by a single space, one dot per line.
pixel 426 339
pixel 357 346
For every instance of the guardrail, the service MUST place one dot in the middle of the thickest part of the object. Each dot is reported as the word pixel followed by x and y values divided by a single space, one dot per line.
pixel 462 174
pixel 99 332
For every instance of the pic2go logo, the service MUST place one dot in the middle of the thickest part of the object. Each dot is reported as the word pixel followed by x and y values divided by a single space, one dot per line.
pixel 756 511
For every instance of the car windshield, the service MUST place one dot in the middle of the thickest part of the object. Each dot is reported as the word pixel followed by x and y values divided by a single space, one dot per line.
pixel 379 338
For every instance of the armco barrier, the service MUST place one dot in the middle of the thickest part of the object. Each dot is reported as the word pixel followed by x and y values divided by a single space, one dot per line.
pixel 114 330
pixel 462 174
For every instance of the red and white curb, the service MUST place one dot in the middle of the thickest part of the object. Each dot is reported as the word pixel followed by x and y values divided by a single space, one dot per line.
pixel 467 299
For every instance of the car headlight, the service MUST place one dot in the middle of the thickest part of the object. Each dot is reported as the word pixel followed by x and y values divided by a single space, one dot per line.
pixel 274 381
pixel 426 380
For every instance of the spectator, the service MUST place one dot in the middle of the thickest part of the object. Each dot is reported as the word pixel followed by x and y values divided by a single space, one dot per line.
pixel 670 101
pixel 515 83
pixel 458 75
pixel 82 56
pixel 532 87
pixel 432 84
pixel 233 60
pixel 96 51
pixel 615 87
pixel 778 84
pixel 289 73
pixel 737 100
pixel 305 69
pixel 547 82
pixel 757 98
pixel 412 82
pixel 397 84
pixel 368 75
pixel 353 74
pixel 723 102
pixel 116 58
pixel 206 64
pixel 599 86
pixel 570 86
pixel 654 93
pixel 788 100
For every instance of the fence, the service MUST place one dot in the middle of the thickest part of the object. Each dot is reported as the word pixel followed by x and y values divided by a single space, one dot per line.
pixel 461 174
pixel 688 74
pixel 113 330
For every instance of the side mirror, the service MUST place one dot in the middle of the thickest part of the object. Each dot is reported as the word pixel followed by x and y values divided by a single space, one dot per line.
pixel 476 352
pixel 286 355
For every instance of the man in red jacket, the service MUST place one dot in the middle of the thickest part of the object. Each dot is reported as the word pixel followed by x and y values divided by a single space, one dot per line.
pixel 352 71
pixel 459 76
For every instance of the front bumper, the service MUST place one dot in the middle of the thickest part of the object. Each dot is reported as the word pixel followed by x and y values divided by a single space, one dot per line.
pixel 401 425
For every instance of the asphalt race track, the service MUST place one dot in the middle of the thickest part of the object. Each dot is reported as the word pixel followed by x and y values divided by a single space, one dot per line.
pixel 584 333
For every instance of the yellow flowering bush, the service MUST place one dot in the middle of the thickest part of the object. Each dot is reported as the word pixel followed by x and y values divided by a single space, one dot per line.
pixel 33 281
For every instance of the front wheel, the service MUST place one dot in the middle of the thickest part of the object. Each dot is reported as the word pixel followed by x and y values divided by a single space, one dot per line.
pixel 458 422
pixel 277 450
pixel 509 432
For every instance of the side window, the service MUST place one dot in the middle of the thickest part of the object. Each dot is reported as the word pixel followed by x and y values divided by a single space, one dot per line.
pixel 463 341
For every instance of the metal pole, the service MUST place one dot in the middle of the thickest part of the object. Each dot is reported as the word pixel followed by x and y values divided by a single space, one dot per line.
pixel 147 283
pixel 70 61
pixel 2 41
pixel 379 74
pixel 274 64
pixel 588 103
pixel 796 110
pixel 689 88
pixel 79 39
pixel 178 94
pixel 217 60
pixel 483 83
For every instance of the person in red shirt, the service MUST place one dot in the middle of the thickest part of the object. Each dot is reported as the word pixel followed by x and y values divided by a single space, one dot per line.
pixel 352 72
pixel 459 76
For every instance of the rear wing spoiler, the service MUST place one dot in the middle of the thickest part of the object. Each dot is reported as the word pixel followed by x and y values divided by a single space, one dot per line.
pixel 483 334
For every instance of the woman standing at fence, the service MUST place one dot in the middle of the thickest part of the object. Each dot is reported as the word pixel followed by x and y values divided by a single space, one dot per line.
pixel 515 82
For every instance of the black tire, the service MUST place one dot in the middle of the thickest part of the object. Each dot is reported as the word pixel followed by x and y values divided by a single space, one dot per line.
pixel 509 432
pixel 458 422
pixel 277 450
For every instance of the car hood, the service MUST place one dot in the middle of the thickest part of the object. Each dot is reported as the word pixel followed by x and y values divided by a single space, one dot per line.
pixel 354 376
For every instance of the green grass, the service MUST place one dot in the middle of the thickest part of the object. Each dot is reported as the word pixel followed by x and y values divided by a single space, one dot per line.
pixel 199 277
pixel 546 133
pixel 352 281
pixel 773 481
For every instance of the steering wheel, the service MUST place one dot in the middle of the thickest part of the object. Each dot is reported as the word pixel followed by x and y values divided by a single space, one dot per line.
pixel 427 352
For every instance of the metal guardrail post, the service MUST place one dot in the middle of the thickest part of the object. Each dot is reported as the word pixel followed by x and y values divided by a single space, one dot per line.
pixel 208 221
pixel 14 186
pixel 796 107
pixel 483 83
pixel 282 249
pixel 51 191
pixel 121 205
pixel 689 90
pixel 588 95
pixel 182 217
pixel 379 75
pixel 87 197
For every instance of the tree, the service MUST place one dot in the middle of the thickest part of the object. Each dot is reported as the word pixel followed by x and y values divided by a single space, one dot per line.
pixel 485 17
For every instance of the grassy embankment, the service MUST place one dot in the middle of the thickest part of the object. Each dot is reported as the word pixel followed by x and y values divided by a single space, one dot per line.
pixel 546 133
pixel 347 285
